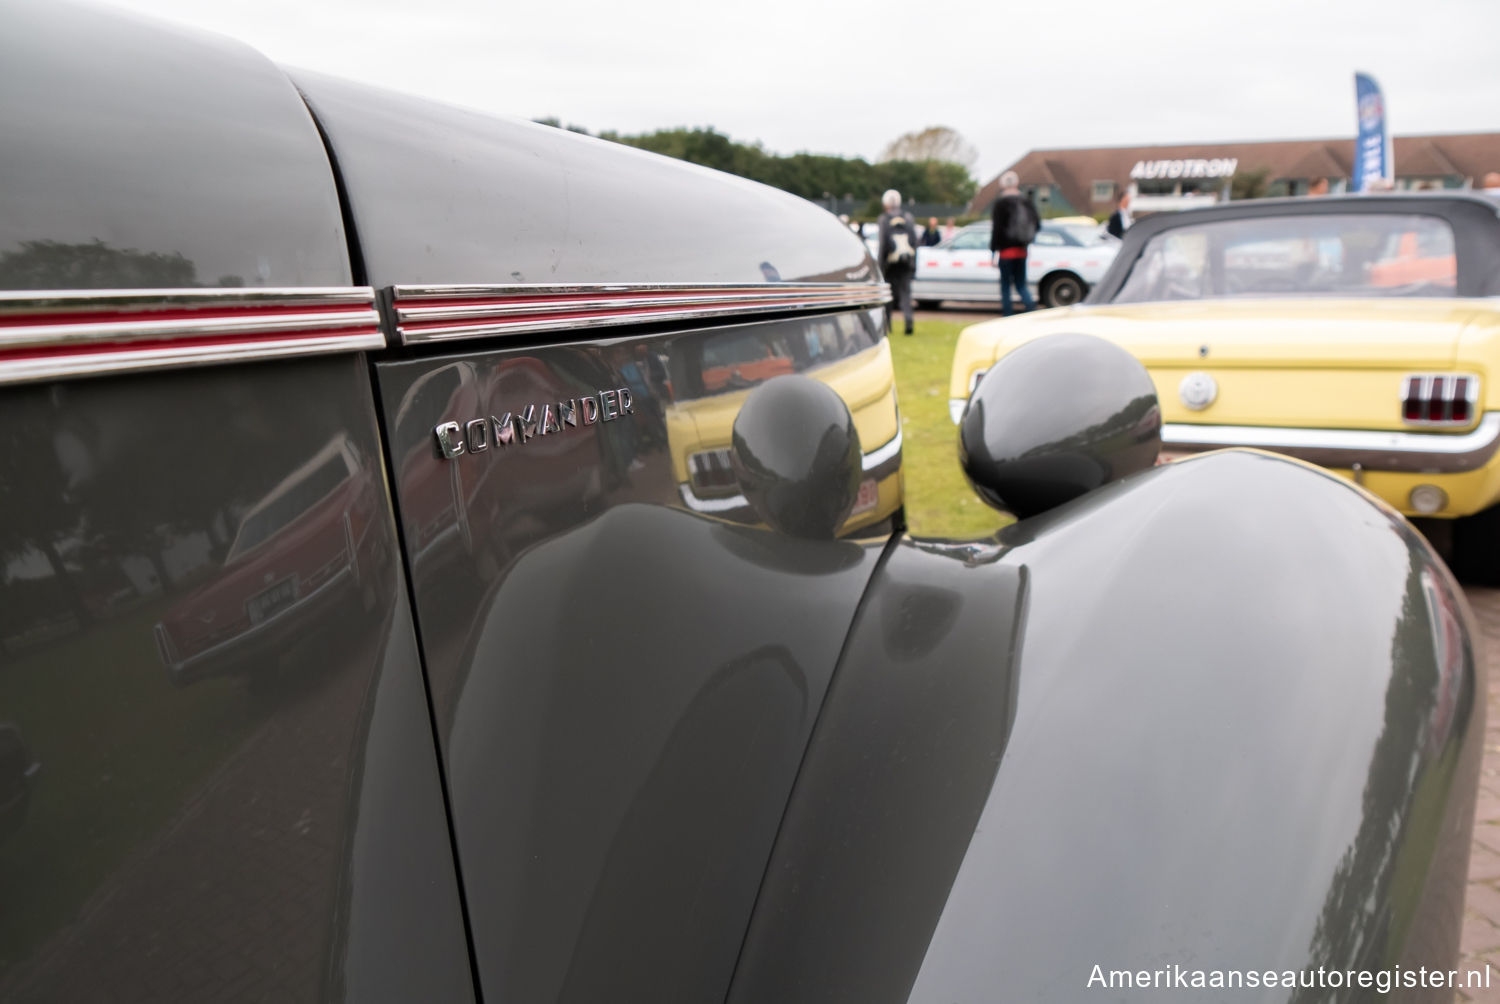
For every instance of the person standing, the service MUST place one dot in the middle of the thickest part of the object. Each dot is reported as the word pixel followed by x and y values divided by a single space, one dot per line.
pixel 933 235
pixel 1119 220
pixel 898 252
pixel 949 229
pixel 1015 223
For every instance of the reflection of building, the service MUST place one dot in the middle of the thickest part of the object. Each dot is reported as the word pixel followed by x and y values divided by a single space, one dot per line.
pixel 1067 182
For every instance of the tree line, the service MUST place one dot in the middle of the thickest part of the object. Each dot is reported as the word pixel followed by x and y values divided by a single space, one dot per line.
pixel 919 178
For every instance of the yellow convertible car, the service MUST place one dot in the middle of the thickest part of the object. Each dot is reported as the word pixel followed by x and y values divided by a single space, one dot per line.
pixel 1361 333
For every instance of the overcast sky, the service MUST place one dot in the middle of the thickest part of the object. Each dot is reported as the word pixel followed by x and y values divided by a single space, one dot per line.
pixel 846 79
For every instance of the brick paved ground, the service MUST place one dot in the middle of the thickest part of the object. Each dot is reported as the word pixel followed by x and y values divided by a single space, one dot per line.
pixel 1481 935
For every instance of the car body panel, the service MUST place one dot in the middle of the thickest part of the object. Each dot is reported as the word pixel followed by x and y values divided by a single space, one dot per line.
pixel 278 832
pixel 994 797
pixel 443 195
pixel 623 685
pixel 118 176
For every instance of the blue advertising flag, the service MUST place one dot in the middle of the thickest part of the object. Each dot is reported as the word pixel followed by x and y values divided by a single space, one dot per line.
pixel 1372 148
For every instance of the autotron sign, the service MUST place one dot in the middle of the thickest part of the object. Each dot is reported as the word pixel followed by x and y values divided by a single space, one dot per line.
pixel 1220 167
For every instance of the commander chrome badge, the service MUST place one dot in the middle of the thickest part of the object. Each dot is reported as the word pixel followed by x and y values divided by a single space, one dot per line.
pixel 515 428
pixel 1197 390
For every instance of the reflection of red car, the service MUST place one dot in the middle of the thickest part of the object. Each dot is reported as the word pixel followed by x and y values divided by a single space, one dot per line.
pixel 303 546
pixel 472 504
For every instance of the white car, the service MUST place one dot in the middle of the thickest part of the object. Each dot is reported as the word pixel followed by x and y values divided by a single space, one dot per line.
pixel 1062 263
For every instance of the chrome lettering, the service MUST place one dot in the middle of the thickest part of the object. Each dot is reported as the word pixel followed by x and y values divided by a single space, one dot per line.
pixel 477 435
pixel 454 439
pixel 450 440
pixel 506 429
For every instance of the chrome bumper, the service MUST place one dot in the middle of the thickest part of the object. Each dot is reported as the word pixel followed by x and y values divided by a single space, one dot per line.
pixel 1370 450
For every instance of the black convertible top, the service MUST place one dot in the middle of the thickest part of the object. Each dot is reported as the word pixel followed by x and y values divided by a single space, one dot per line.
pixel 1475 220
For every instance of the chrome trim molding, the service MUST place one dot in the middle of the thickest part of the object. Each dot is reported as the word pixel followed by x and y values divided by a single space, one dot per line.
pixel 441 313
pixel 880 463
pixel 55 334
pixel 1371 450
pixel 882 454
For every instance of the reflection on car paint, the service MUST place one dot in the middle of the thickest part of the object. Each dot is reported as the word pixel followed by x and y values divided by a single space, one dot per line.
pixel 199 843
pixel 585 678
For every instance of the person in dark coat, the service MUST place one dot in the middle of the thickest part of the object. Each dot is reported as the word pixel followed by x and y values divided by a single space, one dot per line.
pixel 1119 220
pixel 1015 223
pixel 933 234
pixel 898 252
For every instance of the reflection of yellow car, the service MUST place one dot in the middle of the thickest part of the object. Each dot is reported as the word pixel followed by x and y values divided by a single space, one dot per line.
pixel 1280 325
pixel 721 369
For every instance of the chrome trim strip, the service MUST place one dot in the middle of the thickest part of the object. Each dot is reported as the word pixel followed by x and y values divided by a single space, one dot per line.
pixel 881 454
pixel 1373 450
pixel 441 313
pixel 55 334
pixel 880 462
pixel 109 300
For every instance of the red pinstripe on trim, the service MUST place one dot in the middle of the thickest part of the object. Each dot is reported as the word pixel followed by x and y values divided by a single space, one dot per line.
pixel 448 312
pixel 47 335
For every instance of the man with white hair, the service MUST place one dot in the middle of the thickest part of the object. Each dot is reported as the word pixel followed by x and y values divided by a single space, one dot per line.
pixel 1015 226
pixel 898 252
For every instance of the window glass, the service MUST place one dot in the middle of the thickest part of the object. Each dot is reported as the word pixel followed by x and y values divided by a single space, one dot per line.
pixel 1049 238
pixel 971 240
pixel 1374 254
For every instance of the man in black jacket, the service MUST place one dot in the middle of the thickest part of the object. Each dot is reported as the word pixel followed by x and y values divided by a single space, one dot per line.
pixel 1119 220
pixel 1015 224
pixel 898 252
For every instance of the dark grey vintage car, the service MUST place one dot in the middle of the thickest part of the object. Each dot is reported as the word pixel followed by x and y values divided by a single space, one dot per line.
pixel 447 558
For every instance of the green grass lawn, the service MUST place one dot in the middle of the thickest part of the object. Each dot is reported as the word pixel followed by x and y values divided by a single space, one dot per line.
pixel 939 501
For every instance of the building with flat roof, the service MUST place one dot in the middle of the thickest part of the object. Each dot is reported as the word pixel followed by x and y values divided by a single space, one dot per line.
pixel 1086 181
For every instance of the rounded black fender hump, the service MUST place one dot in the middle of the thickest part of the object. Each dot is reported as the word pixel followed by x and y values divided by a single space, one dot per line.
pixel 1219 716
pixel 142 155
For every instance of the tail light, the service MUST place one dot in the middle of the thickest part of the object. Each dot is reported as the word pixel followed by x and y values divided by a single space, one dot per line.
pixel 712 474
pixel 1439 399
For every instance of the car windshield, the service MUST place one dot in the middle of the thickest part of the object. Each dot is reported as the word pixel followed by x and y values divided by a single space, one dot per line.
pixel 1366 254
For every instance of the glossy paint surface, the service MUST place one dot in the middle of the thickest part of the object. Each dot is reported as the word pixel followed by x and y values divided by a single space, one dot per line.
pixel 1179 783
pixel 138 154
pixel 206 653
pixel 624 686
pixel 1056 419
pixel 444 195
